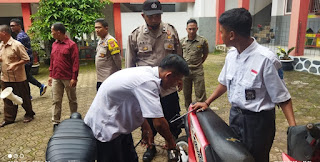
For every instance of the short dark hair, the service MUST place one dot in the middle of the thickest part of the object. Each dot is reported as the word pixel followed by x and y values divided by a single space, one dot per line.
pixel 238 20
pixel 176 63
pixel 5 28
pixel 58 26
pixel 102 21
pixel 192 21
pixel 17 21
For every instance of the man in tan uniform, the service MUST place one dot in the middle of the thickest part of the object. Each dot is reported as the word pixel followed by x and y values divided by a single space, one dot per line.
pixel 108 59
pixel 195 52
pixel 13 57
pixel 147 46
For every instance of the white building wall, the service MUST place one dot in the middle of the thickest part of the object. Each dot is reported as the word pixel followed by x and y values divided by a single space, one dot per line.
pixel 277 8
pixel 258 5
pixel 204 8
pixel 198 10
pixel 230 4
pixel 255 5
pixel 130 21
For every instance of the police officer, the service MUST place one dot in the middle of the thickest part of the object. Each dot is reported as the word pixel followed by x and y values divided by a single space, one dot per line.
pixel 250 77
pixel 108 59
pixel 148 45
pixel 195 52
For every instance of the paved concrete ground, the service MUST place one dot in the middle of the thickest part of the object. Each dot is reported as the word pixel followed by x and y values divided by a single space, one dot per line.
pixel 27 141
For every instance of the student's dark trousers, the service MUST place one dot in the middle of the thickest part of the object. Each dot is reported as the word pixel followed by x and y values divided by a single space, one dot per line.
pixel 255 130
pixel 120 149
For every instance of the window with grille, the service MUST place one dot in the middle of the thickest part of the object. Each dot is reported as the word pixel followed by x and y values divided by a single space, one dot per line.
pixel 288 6
pixel 314 7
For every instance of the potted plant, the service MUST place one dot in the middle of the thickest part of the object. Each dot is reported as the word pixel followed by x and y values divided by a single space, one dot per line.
pixel 286 61
pixel 37 51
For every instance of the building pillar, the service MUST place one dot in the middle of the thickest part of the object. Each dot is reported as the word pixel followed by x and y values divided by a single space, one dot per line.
pixel 220 8
pixel 298 26
pixel 244 4
pixel 117 24
pixel 26 13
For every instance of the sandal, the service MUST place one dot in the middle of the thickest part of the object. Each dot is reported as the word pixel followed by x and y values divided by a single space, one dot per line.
pixel 27 120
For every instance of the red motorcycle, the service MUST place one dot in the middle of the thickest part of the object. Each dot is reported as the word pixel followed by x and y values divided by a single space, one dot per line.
pixel 303 143
pixel 210 139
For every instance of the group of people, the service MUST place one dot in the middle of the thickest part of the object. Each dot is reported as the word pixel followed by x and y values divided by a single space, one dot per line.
pixel 16 57
pixel 17 60
pixel 145 93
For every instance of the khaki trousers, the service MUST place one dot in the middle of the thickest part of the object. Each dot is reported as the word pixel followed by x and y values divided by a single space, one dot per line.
pixel 196 77
pixel 58 87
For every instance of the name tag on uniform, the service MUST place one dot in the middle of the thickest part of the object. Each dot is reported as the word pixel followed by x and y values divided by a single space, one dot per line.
pixel 250 94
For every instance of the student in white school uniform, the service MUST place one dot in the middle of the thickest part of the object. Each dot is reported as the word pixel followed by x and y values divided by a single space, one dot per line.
pixel 250 77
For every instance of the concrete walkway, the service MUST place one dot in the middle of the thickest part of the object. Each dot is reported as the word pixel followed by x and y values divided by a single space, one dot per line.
pixel 28 141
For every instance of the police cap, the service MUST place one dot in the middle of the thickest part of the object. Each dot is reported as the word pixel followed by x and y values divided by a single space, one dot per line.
pixel 152 7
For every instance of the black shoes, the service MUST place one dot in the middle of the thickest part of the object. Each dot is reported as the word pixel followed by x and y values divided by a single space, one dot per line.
pixel 4 123
pixel 55 126
pixel 149 154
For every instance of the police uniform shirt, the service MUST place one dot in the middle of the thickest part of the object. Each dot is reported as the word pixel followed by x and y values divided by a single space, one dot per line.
pixel 252 79
pixel 123 101
pixel 105 64
pixel 193 50
pixel 148 48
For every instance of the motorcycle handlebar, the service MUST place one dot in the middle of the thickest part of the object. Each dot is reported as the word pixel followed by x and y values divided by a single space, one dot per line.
pixel 314 130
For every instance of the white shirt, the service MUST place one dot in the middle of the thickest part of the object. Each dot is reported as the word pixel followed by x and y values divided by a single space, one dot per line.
pixel 123 101
pixel 255 70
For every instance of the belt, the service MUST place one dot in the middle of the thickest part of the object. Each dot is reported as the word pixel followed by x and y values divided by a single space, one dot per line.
pixel 248 112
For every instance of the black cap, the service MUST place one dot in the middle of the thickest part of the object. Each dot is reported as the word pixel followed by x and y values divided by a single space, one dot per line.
pixel 152 7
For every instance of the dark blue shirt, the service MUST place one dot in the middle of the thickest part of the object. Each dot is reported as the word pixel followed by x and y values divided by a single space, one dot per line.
pixel 25 40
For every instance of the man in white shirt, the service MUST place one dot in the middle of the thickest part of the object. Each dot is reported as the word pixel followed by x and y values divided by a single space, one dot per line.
pixel 250 77
pixel 125 100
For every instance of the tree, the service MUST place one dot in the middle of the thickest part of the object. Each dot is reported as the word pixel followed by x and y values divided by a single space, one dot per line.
pixel 77 15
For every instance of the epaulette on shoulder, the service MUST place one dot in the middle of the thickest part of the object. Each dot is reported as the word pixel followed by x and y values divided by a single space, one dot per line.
pixel 201 37
pixel 136 30
pixel 171 26
pixel 183 39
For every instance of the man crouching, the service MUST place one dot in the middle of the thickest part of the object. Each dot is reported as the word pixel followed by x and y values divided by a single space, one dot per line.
pixel 124 102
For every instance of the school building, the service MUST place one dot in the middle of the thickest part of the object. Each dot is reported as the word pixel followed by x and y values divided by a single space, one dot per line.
pixel 285 23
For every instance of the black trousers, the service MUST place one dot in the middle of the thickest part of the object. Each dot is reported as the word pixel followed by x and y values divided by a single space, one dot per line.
pixel 22 90
pixel 255 130
pixel 30 78
pixel 98 85
pixel 170 106
pixel 120 149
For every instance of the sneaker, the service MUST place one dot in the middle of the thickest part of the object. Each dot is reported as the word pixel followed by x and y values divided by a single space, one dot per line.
pixel 43 89
pixel 149 154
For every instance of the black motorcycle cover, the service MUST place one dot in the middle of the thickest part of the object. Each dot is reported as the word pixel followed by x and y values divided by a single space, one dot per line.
pixel 72 140
pixel 223 142
pixel 299 140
